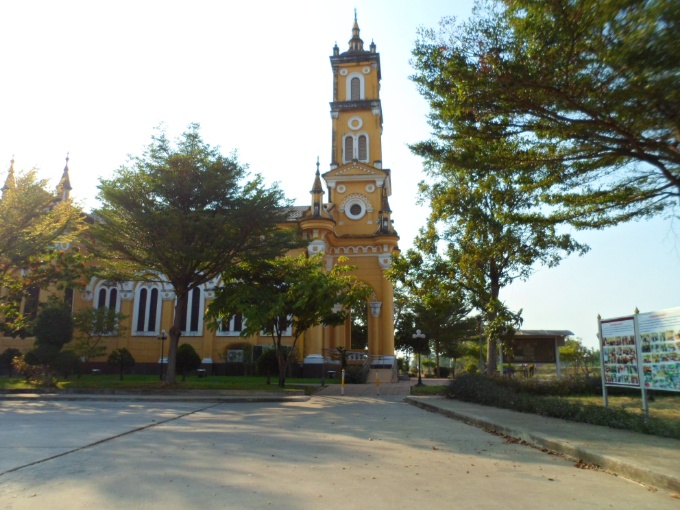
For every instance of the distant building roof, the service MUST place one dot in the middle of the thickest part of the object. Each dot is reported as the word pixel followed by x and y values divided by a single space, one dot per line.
pixel 544 332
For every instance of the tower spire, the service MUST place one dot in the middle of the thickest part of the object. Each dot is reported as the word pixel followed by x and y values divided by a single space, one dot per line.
pixel 317 192
pixel 10 183
pixel 355 43
pixel 64 187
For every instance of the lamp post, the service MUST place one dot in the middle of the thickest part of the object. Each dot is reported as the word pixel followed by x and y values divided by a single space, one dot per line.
pixel 163 335
pixel 419 337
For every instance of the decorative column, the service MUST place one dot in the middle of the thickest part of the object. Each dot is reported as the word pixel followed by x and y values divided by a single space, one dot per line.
pixel 374 324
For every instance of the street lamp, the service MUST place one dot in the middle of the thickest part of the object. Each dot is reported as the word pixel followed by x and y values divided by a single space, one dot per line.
pixel 419 337
pixel 162 338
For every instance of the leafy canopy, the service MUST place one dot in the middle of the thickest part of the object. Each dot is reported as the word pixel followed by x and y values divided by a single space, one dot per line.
pixel 186 212
pixel 582 93
pixel 35 232
pixel 289 292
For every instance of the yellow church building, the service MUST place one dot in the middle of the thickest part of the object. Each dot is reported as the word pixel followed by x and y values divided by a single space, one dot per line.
pixel 351 219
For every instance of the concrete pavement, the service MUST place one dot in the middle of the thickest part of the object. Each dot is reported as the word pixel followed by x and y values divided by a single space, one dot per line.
pixel 649 460
pixel 324 452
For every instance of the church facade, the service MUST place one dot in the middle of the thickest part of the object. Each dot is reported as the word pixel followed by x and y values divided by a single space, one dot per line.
pixel 350 218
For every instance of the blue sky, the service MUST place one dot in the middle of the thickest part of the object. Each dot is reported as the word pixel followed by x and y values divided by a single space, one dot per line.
pixel 94 79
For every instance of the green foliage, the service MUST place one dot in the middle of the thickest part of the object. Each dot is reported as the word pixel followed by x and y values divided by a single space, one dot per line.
pixel 268 364
pixel 53 329
pixel 531 396
pixel 428 364
pixel 296 292
pixel 359 325
pixel 187 212
pixel 187 360
pixel 67 363
pixel 579 356
pixel 471 368
pixel 122 359
pixel 574 102
pixel 356 374
pixel 7 359
pixel 91 325
pixel 429 300
pixel 34 230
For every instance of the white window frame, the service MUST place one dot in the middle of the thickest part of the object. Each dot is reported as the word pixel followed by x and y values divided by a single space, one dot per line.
pixel 103 285
pixel 355 147
pixel 362 86
pixel 159 306
pixel 231 331
pixel 287 332
pixel 201 312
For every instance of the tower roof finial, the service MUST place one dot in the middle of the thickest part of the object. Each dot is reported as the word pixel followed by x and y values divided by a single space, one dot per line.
pixel 355 43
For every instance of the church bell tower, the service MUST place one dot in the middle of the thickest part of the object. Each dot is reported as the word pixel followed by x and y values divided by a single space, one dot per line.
pixel 356 221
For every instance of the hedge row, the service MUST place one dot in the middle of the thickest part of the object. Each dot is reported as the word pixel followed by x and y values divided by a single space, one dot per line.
pixel 546 399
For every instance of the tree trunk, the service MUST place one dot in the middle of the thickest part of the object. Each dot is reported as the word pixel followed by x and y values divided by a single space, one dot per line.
pixel 491 351
pixel 174 334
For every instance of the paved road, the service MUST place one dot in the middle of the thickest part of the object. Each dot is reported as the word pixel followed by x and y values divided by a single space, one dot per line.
pixel 328 452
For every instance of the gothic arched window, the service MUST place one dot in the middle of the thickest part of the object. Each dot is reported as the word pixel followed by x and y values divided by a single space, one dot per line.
pixel 349 149
pixel 192 321
pixel 363 148
pixel 147 309
pixel 355 85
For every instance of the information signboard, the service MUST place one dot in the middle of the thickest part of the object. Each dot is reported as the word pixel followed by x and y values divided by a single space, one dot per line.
pixel 619 352
pixel 660 349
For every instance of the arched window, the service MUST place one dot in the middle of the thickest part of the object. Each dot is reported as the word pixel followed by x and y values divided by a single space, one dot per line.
pixel 231 326
pixel 363 148
pixel 147 309
pixel 192 321
pixel 355 89
pixel 355 147
pixel 107 296
pixel 349 149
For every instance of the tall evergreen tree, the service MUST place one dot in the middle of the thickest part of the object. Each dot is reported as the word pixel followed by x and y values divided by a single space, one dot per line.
pixel 189 213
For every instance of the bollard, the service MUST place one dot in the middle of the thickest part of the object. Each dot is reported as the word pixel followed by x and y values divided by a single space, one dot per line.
pixel 342 383
pixel 377 384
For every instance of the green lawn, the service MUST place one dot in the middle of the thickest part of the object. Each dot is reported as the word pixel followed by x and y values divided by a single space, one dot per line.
pixel 149 382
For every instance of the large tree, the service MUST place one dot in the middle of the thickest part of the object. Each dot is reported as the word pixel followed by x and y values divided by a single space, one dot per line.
pixel 585 91
pixel 187 212
pixel 487 228
pixel 36 229
pixel 431 302
pixel 295 293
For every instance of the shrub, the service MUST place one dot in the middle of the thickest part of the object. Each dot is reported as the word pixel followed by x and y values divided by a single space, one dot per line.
pixel 356 374
pixel 7 358
pixel 471 368
pixel 122 359
pixel 187 360
pixel 444 371
pixel 67 363
pixel 528 396
pixel 268 364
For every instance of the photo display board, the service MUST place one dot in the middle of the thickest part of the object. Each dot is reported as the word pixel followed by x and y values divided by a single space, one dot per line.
pixel 660 349
pixel 619 352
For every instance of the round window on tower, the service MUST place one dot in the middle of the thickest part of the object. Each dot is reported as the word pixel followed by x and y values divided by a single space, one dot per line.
pixel 355 209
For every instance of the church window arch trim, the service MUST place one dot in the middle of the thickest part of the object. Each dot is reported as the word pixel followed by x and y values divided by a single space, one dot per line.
pixel 356 146
pixel 147 309
pixel 358 92
pixel 107 295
